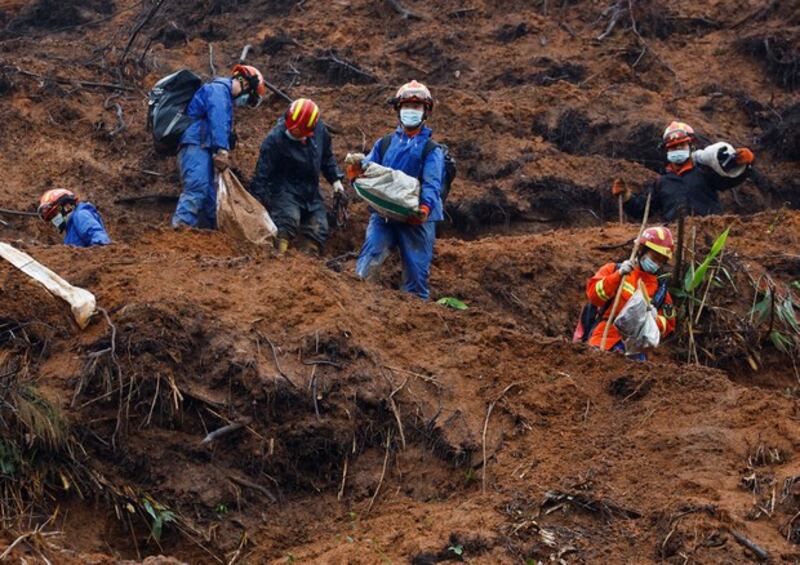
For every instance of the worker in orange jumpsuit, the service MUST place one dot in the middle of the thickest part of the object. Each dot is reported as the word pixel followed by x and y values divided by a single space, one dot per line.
pixel 655 251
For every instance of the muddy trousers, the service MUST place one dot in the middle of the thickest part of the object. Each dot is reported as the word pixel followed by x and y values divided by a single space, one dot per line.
pixel 197 204
pixel 415 244
pixel 293 215
pixel 619 346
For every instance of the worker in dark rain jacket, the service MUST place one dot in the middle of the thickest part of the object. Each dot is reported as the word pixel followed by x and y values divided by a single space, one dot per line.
pixel 693 178
pixel 286 179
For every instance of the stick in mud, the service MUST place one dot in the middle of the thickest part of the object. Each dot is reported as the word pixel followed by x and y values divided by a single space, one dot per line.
pixel 486 429
pixel 760 553
pixel 383 472
pixel 222 432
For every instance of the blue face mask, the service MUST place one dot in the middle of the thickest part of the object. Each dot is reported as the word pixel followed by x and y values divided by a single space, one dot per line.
pixel 648 265
pixel 411 118
pixel 241 100
pixel 678 156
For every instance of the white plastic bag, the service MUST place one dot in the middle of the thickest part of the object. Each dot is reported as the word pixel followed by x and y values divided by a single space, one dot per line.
pixel 708 157
pixel 239 214
pixel 81 300
pixel 637 325
pixel 391 193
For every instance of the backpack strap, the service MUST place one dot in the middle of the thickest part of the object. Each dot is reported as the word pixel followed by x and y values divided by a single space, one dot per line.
pixel 384 144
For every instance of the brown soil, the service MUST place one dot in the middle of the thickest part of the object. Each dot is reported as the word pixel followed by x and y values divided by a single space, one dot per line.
pixel 363 411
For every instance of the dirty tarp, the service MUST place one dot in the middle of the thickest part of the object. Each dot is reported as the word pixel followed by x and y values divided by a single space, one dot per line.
pixel 239 214
pixel 82 301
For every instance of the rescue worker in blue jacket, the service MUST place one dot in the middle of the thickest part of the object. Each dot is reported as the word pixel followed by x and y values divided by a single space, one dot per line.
pixel 286 179
pixel 80 222
pixel 206 143
pixel 414 239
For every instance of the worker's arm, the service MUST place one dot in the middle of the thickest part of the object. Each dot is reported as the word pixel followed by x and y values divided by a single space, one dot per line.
pixel 90 230
pixel 265 168
pixel 665 319
pixel 603 285
pixel 635 206
pixel 330 169
pixel 374 155
pixel 718 182
pixel 432 178
pixel 219 111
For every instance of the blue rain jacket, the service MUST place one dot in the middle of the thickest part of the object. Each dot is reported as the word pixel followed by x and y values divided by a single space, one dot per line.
pixel 405 154
pixel 212 109
pixel 85 227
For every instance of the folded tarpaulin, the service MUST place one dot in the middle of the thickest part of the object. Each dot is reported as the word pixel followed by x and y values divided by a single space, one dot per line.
pixel 80 300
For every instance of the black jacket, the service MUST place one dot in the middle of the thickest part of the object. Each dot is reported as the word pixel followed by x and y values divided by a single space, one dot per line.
pixel 695 190
pixel 288 165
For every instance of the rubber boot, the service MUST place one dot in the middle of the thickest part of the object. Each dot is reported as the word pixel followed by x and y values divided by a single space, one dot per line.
pixel 310 247
pixel 281 245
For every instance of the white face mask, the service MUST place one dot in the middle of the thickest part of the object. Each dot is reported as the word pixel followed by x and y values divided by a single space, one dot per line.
pixel 59 222
pixel 678 156
pixel 411 118
pixel 648 265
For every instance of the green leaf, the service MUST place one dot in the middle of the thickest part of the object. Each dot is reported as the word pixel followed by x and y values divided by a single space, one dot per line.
pixel 780 341
pixel 700 274
pixel 451 302
pixel 787 314
pixel 762 308
pixel 795 284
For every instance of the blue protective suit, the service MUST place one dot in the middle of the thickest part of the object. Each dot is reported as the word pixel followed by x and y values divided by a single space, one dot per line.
pixel 414 242
pixel 212 109
pixel 85 227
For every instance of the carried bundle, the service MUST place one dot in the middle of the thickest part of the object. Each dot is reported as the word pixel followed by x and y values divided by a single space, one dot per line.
pixel 391 193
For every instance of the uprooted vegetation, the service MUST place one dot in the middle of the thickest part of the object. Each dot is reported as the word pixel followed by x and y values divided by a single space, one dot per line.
pixel 237 408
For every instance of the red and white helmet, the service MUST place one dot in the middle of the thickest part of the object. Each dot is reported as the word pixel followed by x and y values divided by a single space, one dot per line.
pixel 659 239
pixel 676 134
pixel 413 92
pixel 53 201
pixel 302 117
pixel 254 79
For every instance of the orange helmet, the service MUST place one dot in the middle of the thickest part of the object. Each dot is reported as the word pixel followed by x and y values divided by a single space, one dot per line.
pixel 52 201
pixel 254 79
pixel 302 117
pixel 413 92
pixel 658 239
pixel 676 134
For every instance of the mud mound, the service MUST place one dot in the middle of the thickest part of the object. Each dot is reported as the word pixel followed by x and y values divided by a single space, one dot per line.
pixel 50 14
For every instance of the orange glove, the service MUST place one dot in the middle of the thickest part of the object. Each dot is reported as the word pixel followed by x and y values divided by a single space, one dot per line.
pixel 424 212
pixel 744 156
pixel 352 171
pixel 621 187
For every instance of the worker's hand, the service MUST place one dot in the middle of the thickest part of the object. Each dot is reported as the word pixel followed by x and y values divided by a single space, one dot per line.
pixel 422 217
pixel 744 156
pixel 627 266
pixel 222 160
pixel 620 187
pixel 338 187
pixel 353 170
